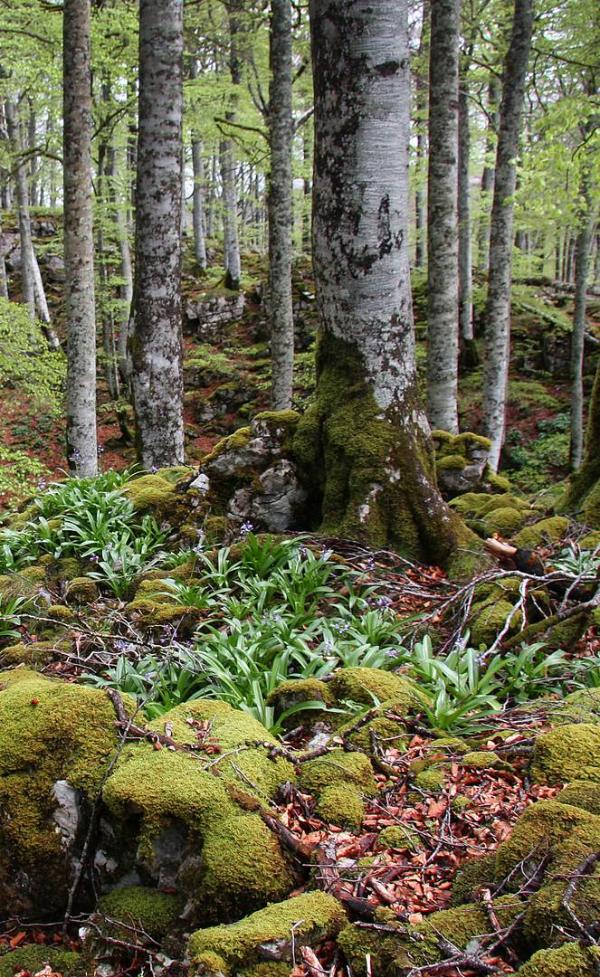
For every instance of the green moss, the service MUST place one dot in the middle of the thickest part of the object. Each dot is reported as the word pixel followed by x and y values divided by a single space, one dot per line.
pixel 539 829
pixel 312 917
pixel 155 912
pixel 472 875
pixel 481 760
pixel 432 779
pixel 371 684
pixel 570 752
pixel 295 691
pixel 459 802
pixel 545 911
pixel 451 463
pixel 59 612
pixel 33 959
pixel 380 730
pixel 400 836
pixel 369 477
pixel 497 482
pixel 590 541
pixel 450 744
pixel 151 493
pixel 338 768
pixel 341 805
pixel 418 946
pixel 480 504
pixel 234 442
pixel 582 706
pixel 505 521
pixel 584 794
pixel 82 590
pixel 489 620
pixel 569 960
pixel 552 529
pixel 49 731
pixel 35 653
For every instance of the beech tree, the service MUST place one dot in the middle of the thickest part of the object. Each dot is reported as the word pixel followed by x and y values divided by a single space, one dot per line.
pixel 497 314
pixel 82 451
pixel 281 134
pixel 156 344
pixel 442 220
pixel 366 438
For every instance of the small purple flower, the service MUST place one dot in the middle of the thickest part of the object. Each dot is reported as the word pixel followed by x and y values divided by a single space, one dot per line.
pixel 246 528
pixel 383 602
pixel 153 470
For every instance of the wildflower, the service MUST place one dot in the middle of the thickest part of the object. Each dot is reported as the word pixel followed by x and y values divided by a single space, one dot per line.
pixel 246 528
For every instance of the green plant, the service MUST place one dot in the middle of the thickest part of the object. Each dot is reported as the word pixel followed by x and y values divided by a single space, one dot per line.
pixel 579 564
pixel 11 609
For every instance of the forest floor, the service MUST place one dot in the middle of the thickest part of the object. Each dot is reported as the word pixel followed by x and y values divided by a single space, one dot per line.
pixel 411 720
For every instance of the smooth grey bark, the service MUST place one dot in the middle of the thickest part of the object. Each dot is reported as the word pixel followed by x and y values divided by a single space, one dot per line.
pixel 22 202
pixel 281 135
pixel 231 245
pixel 125 293
pixel 583 249
pixel 487 175
pixel 82 450
pixel 105 192
pixel 421 95
pixel 156 343
pixel 373 473
pixel 497 317
pixel 442 220
pixel 465 264
pixel 3 275
pixel 198 203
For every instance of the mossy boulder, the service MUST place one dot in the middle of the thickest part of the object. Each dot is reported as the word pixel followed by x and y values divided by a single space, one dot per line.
pixel 570 752
pixel 193 819
pixel 505 521
pixel 342 805
pixel 156 913
pixel 399 836
pixel 338 768
pixel 419 946
pixel 582 706
pixel 545 914
pixel 373 686
pixel 56 741
pixel 584 794
pixel 569 960
pixel 33 959
pixel 489 618
pixel 538 831
pixel 291 694
pixel 82 590
pixel 34 653
pixel 265 936
pixel 473 875
pixel 432 779
pixel 550 530
pixel 482 760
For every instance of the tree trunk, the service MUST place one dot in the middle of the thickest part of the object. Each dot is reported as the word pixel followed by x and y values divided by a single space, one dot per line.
pixel 364 446
pixel 156 334
pixel 465 270
pixel 198 203
pixel 281 134
pixel 82 451
pixel 421 92
pixel 233 267
pixel 22 200
pixel 487 176
pixel 307 155
pixel 497 328
pixel 583 248
pixel 442 223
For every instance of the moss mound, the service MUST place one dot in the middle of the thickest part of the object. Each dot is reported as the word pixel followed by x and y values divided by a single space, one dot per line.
pixel 33 959
pixel 49 732
pixel 154 912
pixel 570 752
pixel 231 949
pixel 370 685
pixel 341 805
pixel 570 960
pixel 338 769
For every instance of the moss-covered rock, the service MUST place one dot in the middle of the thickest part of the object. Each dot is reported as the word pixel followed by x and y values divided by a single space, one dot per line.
pixel 229 950
pixel 473 875
pixel 503 521
pixel 154 912
pixel 33 959
pixel 584 794
pixel 292 693
pixel 569 960
pixel 538 831
pixel 82 590
pixel 582 706
pixel 550 530
pixel 373 685
pixel 338 768
pixel 418 946
pixel 50 732
pixel 341 805
pixel 432 779
pixel 482 760
pixel 489 619
pixel 34 653
pixel 570 752
pixel 194 819
pixel 400 836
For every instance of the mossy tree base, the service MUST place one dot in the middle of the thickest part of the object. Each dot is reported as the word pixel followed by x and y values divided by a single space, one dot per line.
pixel 370 472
